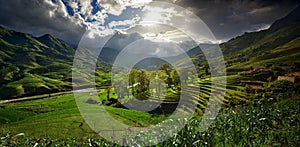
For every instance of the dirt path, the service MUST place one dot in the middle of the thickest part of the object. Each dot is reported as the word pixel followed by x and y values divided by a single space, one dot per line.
pixel 36 97
pixel 42 96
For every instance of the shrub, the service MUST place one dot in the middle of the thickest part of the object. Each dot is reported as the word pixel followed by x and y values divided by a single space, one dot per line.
pixel 282 86
pixel 9 91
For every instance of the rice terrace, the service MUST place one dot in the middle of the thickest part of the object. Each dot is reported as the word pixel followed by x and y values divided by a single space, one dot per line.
pixel 149 73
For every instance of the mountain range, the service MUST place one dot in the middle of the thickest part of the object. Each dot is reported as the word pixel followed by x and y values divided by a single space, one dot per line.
pixel 277 45
pixel 36 65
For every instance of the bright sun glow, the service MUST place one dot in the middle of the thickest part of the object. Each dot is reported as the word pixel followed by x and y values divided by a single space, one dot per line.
pixel 157 37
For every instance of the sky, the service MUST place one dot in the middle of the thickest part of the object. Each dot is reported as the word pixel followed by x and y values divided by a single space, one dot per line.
pixel 70 19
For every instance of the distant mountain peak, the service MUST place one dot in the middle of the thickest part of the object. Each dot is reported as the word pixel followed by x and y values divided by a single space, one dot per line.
pixel 48 36
pixel 292 17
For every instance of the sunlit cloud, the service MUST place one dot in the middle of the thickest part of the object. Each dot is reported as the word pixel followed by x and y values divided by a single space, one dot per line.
pixel 156 37
pixel 69 19
pixel 124 23
pixel 264 27
pixel 158 14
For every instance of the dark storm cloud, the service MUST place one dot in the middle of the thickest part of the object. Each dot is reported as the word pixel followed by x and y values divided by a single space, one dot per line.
pixel 230 18
pixel 226 19
pixel 40 17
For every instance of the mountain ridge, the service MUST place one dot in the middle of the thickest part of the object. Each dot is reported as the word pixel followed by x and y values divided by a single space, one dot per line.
pixel 264 42
pixel 34 65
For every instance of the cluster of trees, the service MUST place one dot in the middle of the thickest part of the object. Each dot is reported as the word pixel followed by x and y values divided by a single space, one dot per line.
pixel 167 84
pixel 10 73
pixel 142 83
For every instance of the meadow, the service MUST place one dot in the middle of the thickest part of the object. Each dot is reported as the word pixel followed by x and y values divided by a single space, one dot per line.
pixel 56 121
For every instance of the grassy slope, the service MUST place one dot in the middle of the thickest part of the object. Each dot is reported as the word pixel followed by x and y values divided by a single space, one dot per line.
pixel 60 118
pixel 287 54
pixel 278 45
pixel 31 65
pixel 37 65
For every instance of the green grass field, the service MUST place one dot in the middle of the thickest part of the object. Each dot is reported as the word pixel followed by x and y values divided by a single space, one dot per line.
pixel 60 118
pixel 266 121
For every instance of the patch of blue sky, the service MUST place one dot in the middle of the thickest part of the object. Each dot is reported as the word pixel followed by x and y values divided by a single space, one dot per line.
pixel 82 16
pixel 96 8
pixel 127 14
pixel 69 8
pixel 91 20
pixel 79 8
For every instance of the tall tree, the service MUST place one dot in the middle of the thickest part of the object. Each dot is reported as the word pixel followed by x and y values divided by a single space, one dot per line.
pixel 167 69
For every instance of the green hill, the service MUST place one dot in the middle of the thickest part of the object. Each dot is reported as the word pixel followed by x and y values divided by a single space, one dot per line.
pixel 34 65
pixel 274 49
pixel 278 45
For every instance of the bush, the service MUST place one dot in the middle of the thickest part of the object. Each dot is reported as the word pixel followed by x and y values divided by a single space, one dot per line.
pixel 11 91
pixel 282 87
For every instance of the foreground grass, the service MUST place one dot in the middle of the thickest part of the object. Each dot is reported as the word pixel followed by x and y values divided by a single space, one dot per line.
pixel 55 117
pixel 60 118
pixel 267 121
